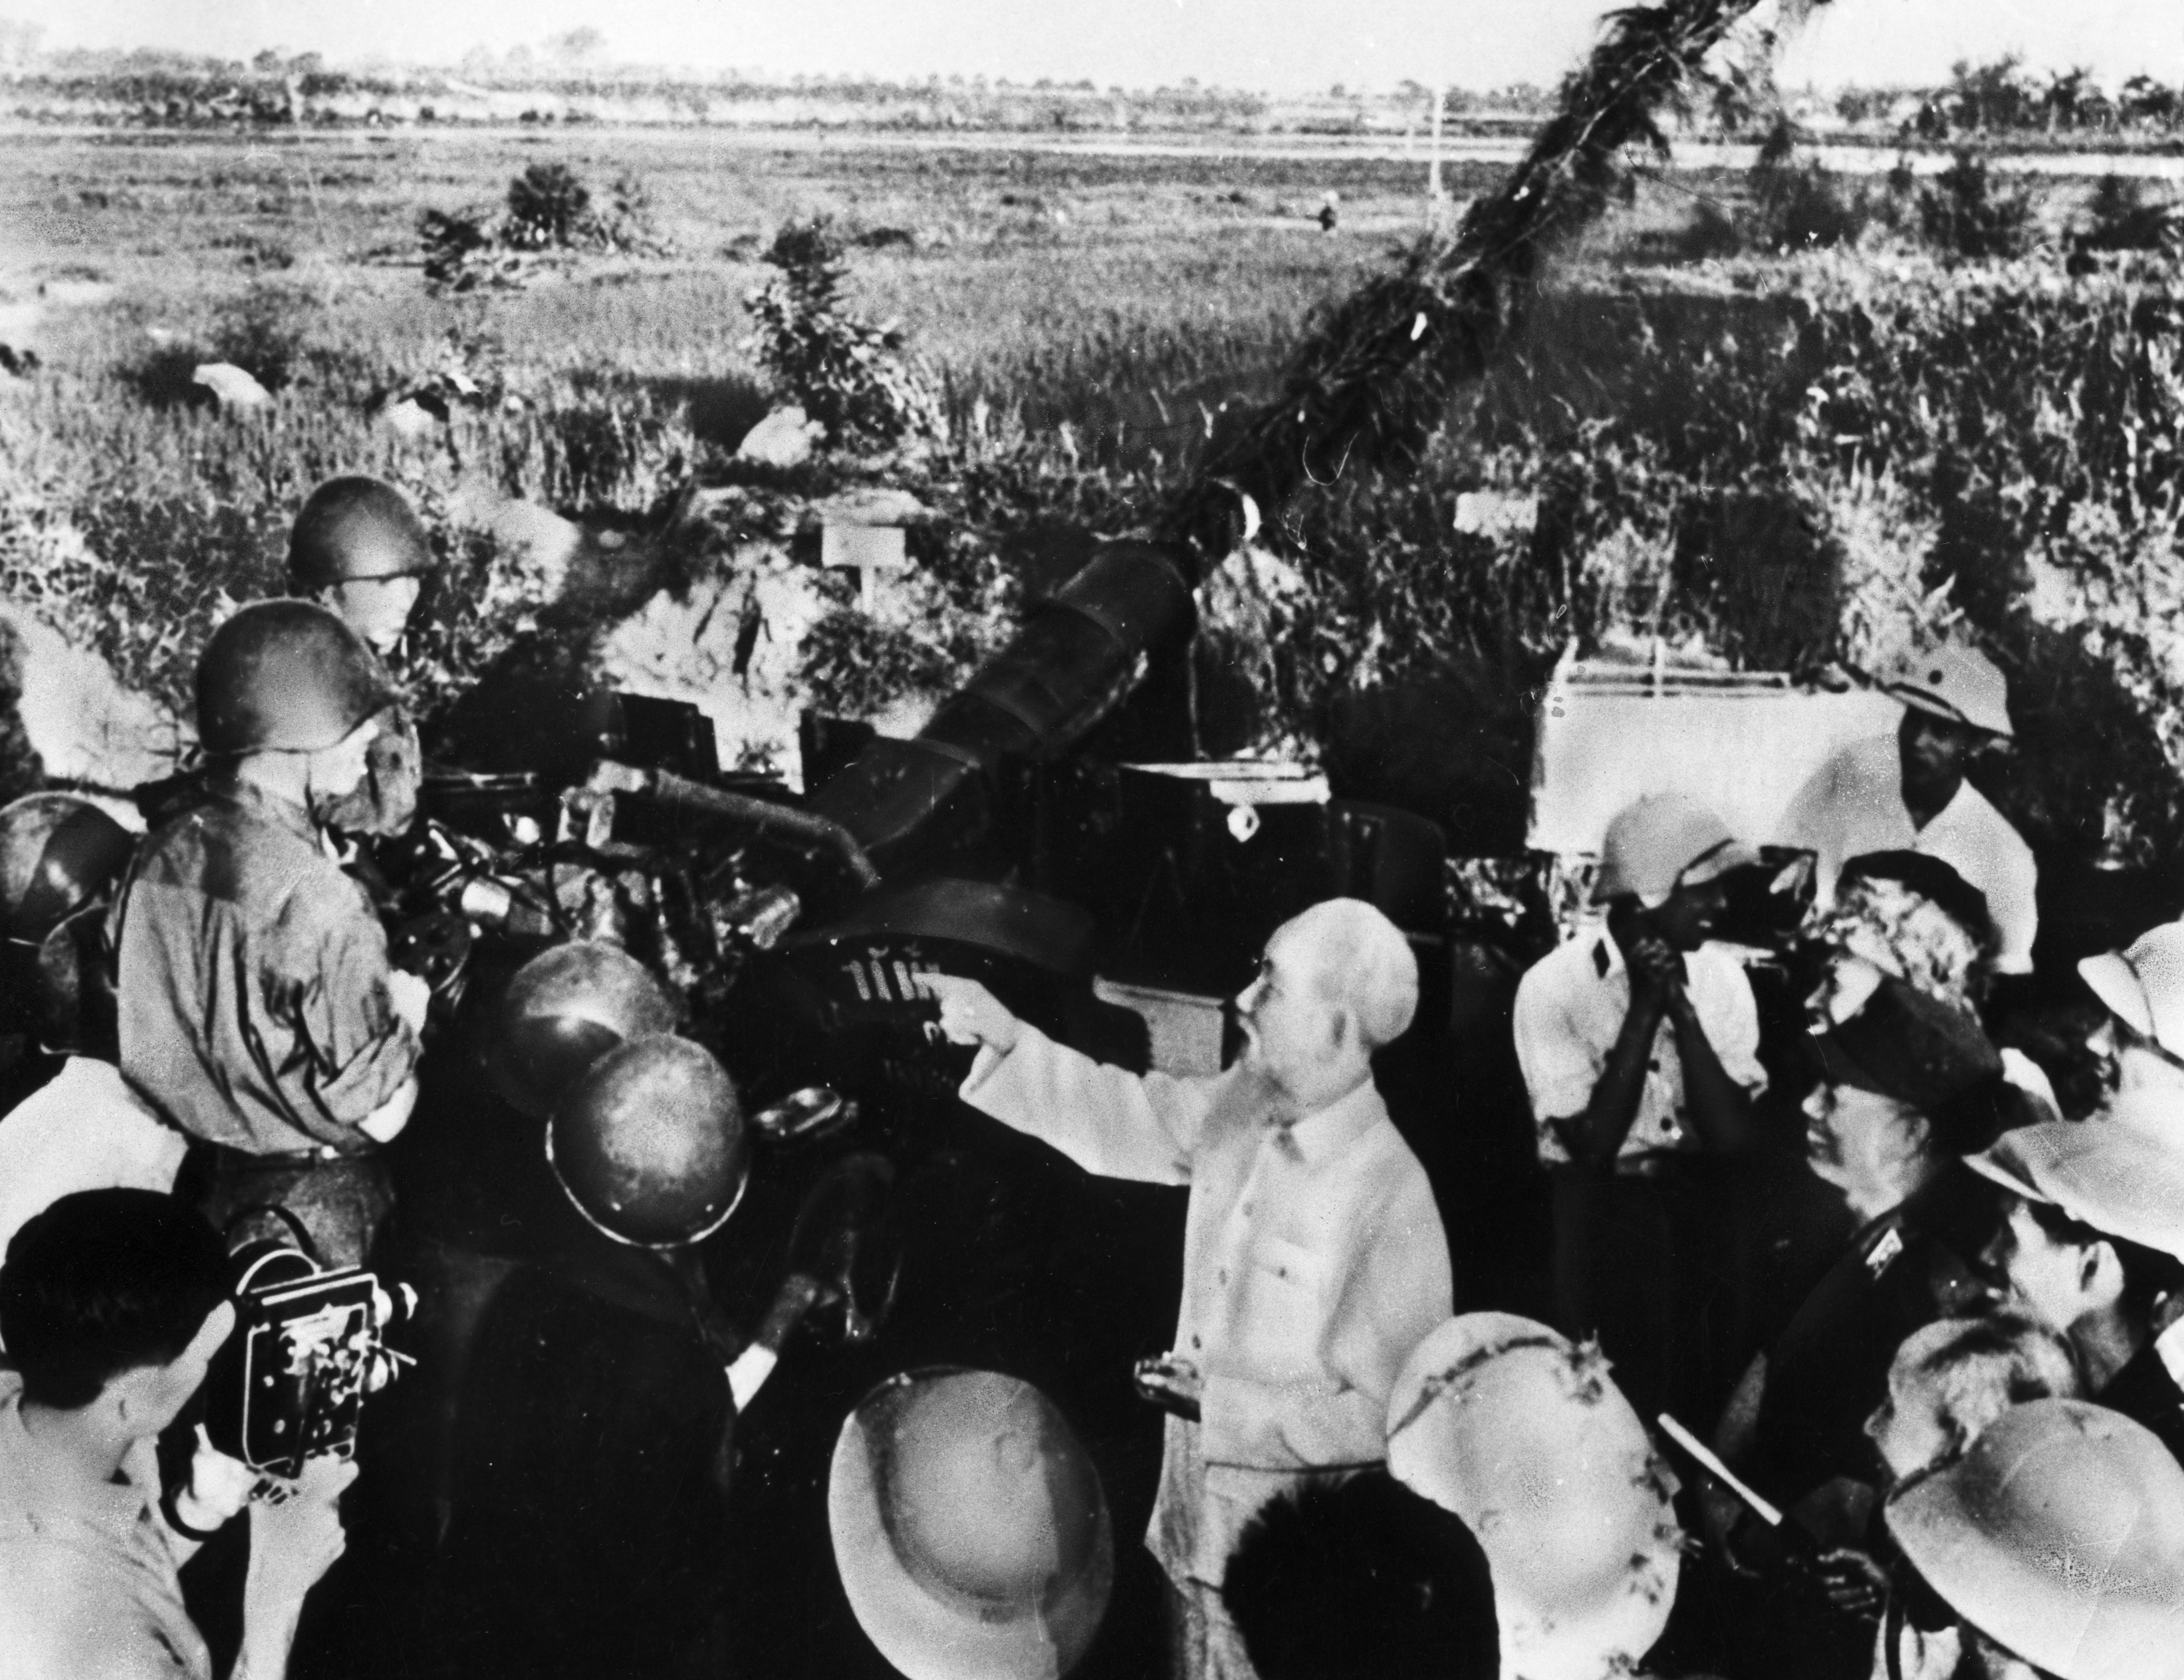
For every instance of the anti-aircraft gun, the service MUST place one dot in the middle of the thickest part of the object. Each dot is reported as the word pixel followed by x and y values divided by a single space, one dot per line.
pixel 1028 833
pixel 1051 823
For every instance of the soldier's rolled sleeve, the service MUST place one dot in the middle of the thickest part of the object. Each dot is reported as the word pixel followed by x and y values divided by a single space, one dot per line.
pixel 329 977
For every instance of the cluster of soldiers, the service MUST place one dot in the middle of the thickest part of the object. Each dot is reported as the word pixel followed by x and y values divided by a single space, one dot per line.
pixel 1951 1449
pixel 220 1050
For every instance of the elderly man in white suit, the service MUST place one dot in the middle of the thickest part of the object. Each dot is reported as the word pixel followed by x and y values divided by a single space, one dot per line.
pixel 1314 1259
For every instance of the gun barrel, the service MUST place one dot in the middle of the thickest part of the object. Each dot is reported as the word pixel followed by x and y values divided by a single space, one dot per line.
pixel 1067 668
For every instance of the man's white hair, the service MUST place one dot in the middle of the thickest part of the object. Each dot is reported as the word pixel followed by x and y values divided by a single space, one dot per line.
pixel 1363 963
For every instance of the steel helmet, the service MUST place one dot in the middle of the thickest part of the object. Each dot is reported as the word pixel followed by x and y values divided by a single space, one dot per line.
pixel 565 1008
pixel 650 1143
pixel 2060 1535
pixel 286 676
pixel 60 857
pixel 355 529
pixel 1660 842
pixel 1503 1421
pixel 969 1528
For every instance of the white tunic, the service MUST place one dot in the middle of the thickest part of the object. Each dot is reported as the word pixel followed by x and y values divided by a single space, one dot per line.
pixel 1314 1261
pixel 1854 805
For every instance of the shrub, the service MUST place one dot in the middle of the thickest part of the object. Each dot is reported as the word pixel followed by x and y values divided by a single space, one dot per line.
pixel 263 333
pixel 1964 215
pixel 450 239
pixel 2121 218
pixel 549 208
pixel 845 374
pixel 548 212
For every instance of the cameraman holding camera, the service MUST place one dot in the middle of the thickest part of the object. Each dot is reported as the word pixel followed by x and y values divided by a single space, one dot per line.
pixel 112 1304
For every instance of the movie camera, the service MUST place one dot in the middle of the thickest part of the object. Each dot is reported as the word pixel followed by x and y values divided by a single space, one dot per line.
pixel 311 1342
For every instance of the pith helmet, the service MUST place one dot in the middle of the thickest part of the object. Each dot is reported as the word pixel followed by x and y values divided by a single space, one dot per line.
pixel 969 1527
pixel 650 1143
pixel 354 529
pixel 1662 841
pixel 1953 682
pixel 285 676
pixel 2060 1535
pixel 2121 1171
pixel 1523 1435
pixel 565 1008
pixel 2142 985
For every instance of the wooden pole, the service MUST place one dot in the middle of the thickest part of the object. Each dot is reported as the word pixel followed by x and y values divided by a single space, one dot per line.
pixel 1433 168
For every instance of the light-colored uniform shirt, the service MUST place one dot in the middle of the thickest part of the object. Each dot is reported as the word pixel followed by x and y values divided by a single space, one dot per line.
pixel 1570 1009
pixel 84 1129
pixel 1854 805
pixel 255 1009
pixel 88 1589
pixel 1314 1261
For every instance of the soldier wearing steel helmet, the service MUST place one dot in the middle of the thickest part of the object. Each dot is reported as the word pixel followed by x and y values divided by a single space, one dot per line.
pixel 586 1526
pixel 359 549
pixel 256 1009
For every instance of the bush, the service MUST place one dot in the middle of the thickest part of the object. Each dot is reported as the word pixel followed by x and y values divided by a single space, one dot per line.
pixel 548 212
pixel 845 374
pixel 450 240
pixel 1801 206
pixel 2120 218
pixel 1805 207
pixel 263 333
pixel 549 208
pixel 1964 215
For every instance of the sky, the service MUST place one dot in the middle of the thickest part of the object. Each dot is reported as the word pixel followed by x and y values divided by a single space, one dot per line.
pixel 1283 46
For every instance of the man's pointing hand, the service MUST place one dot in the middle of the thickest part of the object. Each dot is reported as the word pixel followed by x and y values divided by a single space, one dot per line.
pixel 969 1013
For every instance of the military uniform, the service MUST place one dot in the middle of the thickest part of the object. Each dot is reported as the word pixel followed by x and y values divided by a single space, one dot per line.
pixel 256 1014
pixel 1830 1368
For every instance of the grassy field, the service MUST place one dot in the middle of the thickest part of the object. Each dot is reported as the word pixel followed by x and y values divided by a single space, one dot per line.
pixel 1953 414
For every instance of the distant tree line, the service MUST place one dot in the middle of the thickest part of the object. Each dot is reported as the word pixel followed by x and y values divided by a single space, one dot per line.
pixel 2003 96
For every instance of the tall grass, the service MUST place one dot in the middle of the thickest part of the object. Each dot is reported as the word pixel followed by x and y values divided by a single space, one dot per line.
pixel 1792 462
